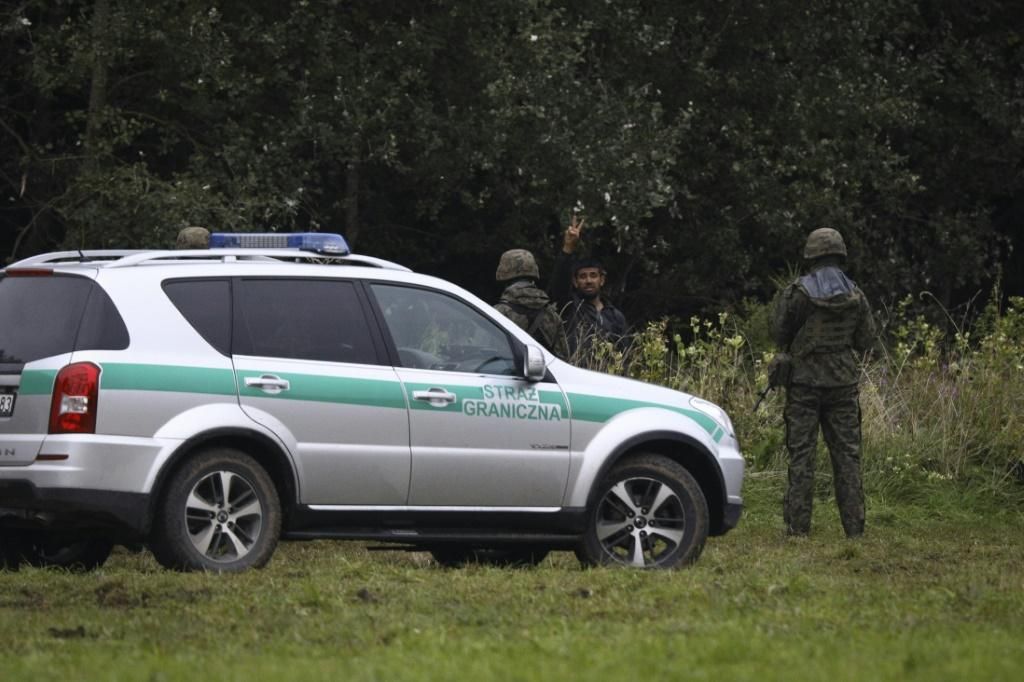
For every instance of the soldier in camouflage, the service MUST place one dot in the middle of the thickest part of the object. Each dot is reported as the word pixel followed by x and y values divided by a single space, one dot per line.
pixel 526 304
pixel 822 320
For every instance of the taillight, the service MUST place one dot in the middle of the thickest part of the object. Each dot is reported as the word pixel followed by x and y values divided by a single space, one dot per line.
pixel 28 272
pixel 75 393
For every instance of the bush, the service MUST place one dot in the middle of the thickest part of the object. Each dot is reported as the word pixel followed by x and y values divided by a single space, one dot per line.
pixel 945 408
pixel 938 406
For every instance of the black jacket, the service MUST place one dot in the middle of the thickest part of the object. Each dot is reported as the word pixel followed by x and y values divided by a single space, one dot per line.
pixel 583 321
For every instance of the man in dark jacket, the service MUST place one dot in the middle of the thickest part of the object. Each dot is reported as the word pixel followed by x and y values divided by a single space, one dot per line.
pixel 822 321
pixel 525 303
pixel 576 287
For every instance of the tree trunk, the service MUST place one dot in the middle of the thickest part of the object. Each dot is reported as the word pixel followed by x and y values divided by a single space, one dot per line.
pixel 352 203
pixel 98 87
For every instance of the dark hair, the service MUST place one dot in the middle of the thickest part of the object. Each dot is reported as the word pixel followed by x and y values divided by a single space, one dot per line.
pixel 588 262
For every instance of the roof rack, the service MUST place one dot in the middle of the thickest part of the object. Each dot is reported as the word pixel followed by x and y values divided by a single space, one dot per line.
pixel 91 256
pixel 122 258
pixel 247 254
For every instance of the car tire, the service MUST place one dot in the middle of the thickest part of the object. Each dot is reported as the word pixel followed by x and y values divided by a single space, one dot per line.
pixel 64 550
pixel 647 512
pixel 220 512
pixel 506 557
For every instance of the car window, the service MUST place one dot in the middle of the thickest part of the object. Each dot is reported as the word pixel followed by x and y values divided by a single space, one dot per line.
pixel 206 304
pixel 102 326
pixel 435 331
pixel 307 319
pixel 51 315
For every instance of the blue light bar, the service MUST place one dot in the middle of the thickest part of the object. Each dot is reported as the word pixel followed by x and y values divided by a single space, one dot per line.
pixel 317 242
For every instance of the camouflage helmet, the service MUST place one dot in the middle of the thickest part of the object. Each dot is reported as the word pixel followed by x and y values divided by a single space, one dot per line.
pixel 193 238
pixel 516 263
pixel 824 242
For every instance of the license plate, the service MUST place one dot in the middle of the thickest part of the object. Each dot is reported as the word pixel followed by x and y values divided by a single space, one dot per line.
pixel 6 404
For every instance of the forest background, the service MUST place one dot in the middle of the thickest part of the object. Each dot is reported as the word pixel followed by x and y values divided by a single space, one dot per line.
pixel 701 140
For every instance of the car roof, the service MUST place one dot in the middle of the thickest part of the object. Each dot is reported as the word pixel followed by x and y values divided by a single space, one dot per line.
pixel 160 265
pixel 125 258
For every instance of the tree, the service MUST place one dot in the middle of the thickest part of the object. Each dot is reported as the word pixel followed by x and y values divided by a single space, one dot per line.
pixel 702 140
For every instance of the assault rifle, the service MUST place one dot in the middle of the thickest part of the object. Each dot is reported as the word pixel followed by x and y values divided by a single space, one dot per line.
pixel 762 395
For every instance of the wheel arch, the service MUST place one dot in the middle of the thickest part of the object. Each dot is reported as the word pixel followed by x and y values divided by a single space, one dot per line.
pixel 268 453
pixel 683 449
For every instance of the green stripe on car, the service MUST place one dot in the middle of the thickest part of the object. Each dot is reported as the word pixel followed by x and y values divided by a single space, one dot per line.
pixel 180 379
pixel 596 408
pixel 37 381
pixel 368 392
pixel 328 389
pixel 494 400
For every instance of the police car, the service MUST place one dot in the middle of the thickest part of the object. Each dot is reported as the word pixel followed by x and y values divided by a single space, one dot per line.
pixel 210 403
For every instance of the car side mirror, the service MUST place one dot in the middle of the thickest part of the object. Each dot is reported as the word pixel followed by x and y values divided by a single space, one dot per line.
pixel 534 366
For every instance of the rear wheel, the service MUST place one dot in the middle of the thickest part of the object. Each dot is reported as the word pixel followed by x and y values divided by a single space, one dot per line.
pixel 511 557
pixel 649 512
pixel 220 512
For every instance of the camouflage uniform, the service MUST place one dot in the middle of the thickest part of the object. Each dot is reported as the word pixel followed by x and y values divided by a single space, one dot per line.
pixel 526 304
pixel 821 319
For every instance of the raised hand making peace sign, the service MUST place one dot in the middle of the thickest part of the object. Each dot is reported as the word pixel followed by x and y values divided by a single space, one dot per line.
pixel 571 239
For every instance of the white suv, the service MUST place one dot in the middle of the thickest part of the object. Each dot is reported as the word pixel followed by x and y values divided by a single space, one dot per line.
pixel 209 403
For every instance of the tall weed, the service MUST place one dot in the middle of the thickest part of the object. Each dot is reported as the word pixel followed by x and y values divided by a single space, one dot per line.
pixel 937 405
pixel 942 406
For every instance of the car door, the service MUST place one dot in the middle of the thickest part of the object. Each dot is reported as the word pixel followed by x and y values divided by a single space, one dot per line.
pixel 309 366
pixel 481 435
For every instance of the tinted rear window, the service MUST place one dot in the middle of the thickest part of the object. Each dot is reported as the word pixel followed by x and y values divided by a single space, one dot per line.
pixel 303 319
pixel 206 304
pixel 41 316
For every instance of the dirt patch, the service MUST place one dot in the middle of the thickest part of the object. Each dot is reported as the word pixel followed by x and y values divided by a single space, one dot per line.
pixel 116 596
pixel 78 632
pixel 23 598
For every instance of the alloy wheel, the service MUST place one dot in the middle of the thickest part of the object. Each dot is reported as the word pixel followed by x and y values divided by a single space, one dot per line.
pixel 640 521
pixel 223 516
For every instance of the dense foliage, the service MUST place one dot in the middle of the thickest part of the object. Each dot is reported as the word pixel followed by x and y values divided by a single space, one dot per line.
pixel 936 406
pixel 701 139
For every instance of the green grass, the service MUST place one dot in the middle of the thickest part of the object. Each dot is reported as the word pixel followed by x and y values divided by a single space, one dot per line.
pixel 924 596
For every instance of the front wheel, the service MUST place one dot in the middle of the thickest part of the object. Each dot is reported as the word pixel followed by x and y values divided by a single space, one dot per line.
pixel 648 512
pixel 221 512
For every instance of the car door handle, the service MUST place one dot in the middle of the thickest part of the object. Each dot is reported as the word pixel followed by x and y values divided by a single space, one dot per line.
pixel 438 397
pixel 268 383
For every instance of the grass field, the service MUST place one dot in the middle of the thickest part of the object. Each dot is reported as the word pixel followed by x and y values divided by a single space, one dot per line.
pixel 931 593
